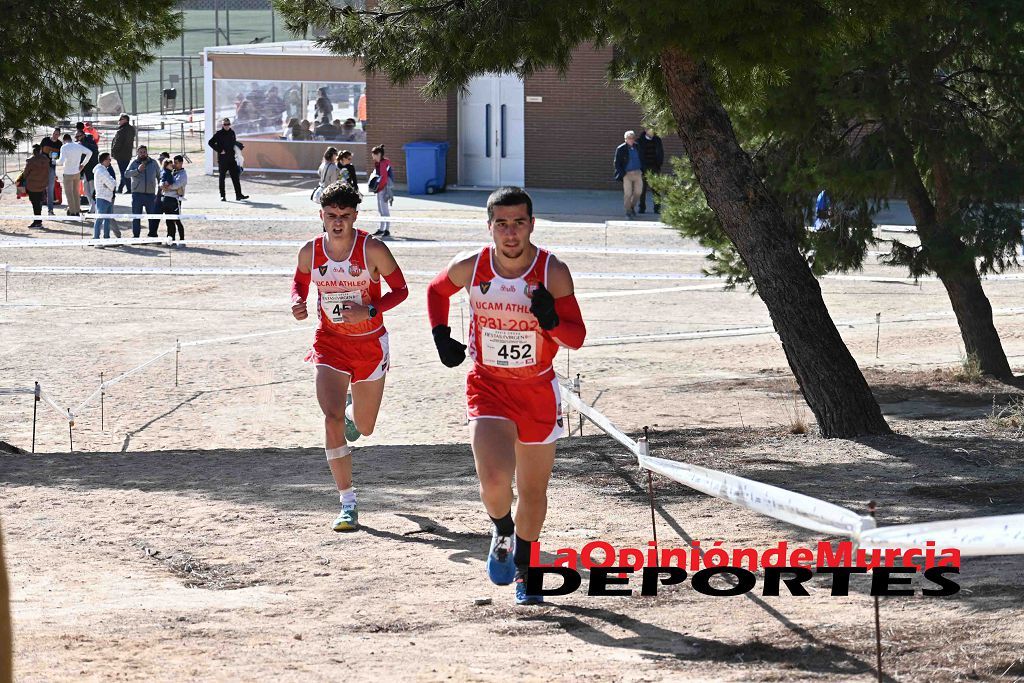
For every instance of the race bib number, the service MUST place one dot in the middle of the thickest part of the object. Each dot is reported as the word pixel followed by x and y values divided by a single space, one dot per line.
pixel 509 348
pixel 333 304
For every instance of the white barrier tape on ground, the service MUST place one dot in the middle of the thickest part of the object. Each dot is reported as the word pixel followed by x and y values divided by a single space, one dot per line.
pixel 975 536
pixel 314 219
pixel 63 412
pixel 394 245
pixel 151 270
pixel 228 340
pixel 787 506
pixel 570 397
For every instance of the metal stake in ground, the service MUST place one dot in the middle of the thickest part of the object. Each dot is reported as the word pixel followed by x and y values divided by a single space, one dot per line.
pixel 177 352
pixel 35 408
pixel 878 623
pixel 878 333
pixel 71 438
pixel 101 402
pixel 579 392
pixel 645 449
pixel 7 275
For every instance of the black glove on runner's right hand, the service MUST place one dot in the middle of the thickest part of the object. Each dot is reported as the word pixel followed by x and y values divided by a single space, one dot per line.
pixel 452 352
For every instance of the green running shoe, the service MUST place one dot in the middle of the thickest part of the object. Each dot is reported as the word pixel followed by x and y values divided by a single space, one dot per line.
pixel 348 518
pixel 351 432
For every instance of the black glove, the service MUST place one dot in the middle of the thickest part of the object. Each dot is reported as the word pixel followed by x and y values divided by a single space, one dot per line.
pixel 542 305
pixel 452 353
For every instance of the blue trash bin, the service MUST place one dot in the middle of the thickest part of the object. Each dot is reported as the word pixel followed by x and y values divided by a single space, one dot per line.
pixel 425 166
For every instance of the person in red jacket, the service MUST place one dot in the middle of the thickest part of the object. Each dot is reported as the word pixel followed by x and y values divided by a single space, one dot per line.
pixel 522 310
pixel 350 346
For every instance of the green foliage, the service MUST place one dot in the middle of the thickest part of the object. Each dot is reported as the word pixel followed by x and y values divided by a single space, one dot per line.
pixel 51 53
pixel 944 76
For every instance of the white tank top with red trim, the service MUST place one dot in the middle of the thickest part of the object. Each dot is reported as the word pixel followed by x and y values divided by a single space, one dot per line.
pixel 341 282
pixel 505 340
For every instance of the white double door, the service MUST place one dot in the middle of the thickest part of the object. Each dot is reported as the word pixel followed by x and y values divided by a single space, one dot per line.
pixel 492 150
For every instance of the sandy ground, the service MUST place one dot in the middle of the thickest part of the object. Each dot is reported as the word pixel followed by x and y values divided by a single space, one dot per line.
pixel 189 539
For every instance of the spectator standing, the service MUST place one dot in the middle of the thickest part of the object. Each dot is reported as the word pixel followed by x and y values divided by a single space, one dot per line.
pixel 822 211
pixel 381 182
pixel 51 150
pixel 73 157
pixel 173 195
pixel 144 173
pixel 87 173
pixel 629 169
pixel 652 156
pixel 122 147
pixel 223 143
pixel 106 188
pixel 172 184
pixel 347 172
pixel 322 108
pixel 35 178
pixel 361 110
pixel 328 172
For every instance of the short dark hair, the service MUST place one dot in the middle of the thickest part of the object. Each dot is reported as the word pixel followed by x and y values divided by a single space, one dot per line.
pixel 329 153
pixel 103 157
pixel 36 150
pixel 509 196
pixel 178 157
pixel 340 195
pixel 379 149
pixel 80 125
pixel 345 154
pixel 142 147
pixel 67 137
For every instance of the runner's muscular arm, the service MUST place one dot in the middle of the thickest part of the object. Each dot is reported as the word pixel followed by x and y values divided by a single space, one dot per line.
pixel 570 331
pixel 383 261
pixel 449 281
pixel 301 280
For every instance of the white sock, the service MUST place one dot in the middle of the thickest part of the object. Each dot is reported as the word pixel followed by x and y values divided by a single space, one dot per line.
pixel 337 453
pixel 348 496
pixel 349 414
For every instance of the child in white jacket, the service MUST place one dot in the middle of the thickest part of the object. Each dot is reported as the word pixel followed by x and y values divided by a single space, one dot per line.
pixel 106 187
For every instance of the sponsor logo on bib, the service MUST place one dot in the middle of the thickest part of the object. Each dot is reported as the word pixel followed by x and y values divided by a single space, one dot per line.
pixel 484 286
pixel 322 269
pixel 354 270
pixel 530 289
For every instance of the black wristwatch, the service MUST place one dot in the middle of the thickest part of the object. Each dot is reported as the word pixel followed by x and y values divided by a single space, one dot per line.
pixel 371 310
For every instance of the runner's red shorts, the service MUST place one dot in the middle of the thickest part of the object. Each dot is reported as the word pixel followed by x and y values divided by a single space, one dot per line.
pixel 535 406
pixel 362 359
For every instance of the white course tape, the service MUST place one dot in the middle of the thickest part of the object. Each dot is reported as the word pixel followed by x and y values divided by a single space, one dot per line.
pixel 1000 535
pixel 570 397
pixel 314 219
pixel 228 340
pixel 14 392
pixel 787 506
pixel 63 412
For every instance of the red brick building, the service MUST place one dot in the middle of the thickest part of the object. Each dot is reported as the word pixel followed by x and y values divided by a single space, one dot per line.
pixel 546 131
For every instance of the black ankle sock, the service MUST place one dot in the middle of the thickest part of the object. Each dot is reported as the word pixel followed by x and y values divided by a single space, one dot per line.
pixel 504 525
pixel 522 555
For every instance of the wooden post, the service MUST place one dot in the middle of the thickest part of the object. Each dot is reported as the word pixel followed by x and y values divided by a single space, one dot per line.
pixel 101 402
pixel 878 333
pixel 71 438
pixel 177 352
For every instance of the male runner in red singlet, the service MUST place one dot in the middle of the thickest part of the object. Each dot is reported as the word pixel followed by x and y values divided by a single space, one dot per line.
pixel 350 345
pixel 523 309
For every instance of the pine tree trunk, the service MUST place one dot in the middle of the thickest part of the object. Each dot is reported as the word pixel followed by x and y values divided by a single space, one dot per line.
pixel 829 378
pixel 946 256
pixel 974 316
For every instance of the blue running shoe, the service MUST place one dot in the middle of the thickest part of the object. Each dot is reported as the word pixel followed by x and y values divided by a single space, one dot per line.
pixel 501 564
pixel 524 598
pixel 351 431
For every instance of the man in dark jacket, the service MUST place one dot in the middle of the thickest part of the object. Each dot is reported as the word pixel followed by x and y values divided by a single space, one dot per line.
pixel 652 155
pixel 88 179
pixel 223 143
pixel 123 149
pixel 35 177
pixel 629 169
